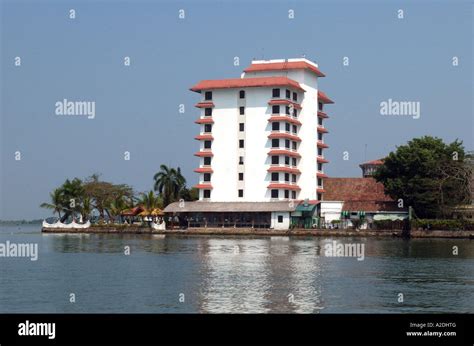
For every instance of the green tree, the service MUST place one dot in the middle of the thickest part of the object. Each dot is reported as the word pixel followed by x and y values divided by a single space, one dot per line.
pixel 56 204
pixel 169 183
pixel 428 175
pixel 150 201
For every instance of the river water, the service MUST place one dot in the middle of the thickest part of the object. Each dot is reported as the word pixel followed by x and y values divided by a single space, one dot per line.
pixel 203 274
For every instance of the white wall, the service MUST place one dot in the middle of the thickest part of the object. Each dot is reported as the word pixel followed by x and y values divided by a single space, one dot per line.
pixel 283 225
pixel 331 210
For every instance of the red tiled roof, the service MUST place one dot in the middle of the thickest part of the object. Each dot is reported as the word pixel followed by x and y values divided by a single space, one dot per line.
pixel 322 97
pixel 283 152
pixel 373 162
pixel 207 120
pixel 246 83
pixel 284 118
pixel 359 194
pixel 204 137
pixel 204 170
pixel 206 104
pixel 284 135
pixel 283 186
pixel 284 66
pixel 284 169
pixel 284 102
pixel 203 186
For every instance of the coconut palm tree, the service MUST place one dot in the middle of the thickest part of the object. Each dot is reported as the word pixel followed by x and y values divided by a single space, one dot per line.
pixel 57 202
pixel 150 201
pixel 169 182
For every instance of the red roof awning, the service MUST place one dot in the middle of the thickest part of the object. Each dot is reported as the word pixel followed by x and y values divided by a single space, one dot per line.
pixel 283 152
pixel 284 66
pixel 283 186
pixel 322 129
pixel 207 120
pixel 322 115
pixel 246 83
pixel 204 170
pixel 204 154
pixel 322 97
pixel 203 186
pixel 284 169
pixel 284 135
pixel 322 145
pixel 288 118
pixel 204 137
pixel 321 160
pixel 205 104
pixel 284 102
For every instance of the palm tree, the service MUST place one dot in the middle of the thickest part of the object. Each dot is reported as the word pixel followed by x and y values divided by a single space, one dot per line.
pixel 150 201
pixel 169 182
pixel 57 200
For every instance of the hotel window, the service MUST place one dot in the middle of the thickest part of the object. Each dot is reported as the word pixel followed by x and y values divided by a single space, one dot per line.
pixel 293 145
pixel 276 126
pixel 207 193
pixel 293 161
pixel 274 193
pixel 208 112
pixel 241 110
pixel 241 176
pixel 241 160
pixel 295 96
pixel 288 94
pixel 320 197
pixel 207 161
pixel 275 143
pixel 276 109
pixel 320 121
pixel 280 217
pixel 287 194
pixel 241 193
pixel 295 112
pixel 207 177
pixel 320 136
pixel 320 151
pixel 276 92
pixel 287 177
pixel 241 127
pixel 320 182
pixel 275 177
pixel 287 127
pixel 287 110
pixel 207 128
pixel 208 95
pixel 295 129
pixel 320 106
pixel 275 160
pixel 287 160
pixel 287 143
pixel 293 178
pixel 242 94
pixel 293 194
pixel 320 166
pixel 241 143
pixel 207 144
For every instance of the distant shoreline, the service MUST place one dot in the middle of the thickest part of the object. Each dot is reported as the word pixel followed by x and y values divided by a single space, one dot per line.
pixel 268 232
pixel 21 222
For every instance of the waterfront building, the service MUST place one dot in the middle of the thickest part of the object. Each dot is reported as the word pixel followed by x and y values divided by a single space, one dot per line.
pixel 261 143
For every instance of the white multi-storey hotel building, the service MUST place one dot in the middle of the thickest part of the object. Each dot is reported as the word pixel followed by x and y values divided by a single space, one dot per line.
pixel 262 135
pixel 261 148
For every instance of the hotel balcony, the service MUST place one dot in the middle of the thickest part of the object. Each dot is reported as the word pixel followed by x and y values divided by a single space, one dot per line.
pixel 285 102
pixel 285 152
pixel 284 135
pixel 284 117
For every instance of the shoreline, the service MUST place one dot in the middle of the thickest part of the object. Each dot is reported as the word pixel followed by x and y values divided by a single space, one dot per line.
pixel 268 232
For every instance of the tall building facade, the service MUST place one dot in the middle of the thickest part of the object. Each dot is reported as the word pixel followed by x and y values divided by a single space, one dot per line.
pixel 262 136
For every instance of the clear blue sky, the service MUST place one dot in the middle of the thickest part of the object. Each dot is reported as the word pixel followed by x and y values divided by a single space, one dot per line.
pixel 406 59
